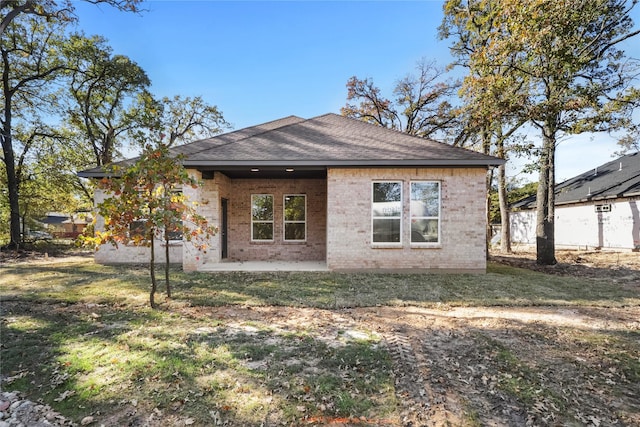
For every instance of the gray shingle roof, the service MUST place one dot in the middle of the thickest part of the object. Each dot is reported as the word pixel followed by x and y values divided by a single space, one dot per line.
pixel 332 139
pixel 231 137
pixel 615 179
pixel 327 140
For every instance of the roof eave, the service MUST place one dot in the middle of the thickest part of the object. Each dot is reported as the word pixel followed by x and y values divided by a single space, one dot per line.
pixel 209 164
pixel 346 163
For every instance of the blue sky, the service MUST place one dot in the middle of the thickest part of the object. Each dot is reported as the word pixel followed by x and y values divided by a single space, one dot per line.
pixel 263 60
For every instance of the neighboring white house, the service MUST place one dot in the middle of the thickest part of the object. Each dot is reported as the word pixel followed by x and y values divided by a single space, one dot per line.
pixel 598 209
pixel 332 189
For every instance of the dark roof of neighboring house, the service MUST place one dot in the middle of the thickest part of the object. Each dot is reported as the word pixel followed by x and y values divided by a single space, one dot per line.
pixel 617 179
pixel 313 144
pixel 54 219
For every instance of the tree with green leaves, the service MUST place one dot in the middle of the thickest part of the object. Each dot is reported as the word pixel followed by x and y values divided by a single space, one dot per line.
pixel 52 10
pixel 111 108
pixel 32 34
pixel 489 119
pixel 107 96
pixel 31 62
pixel 145 206
pixel 178 120
pixel 46 179
pixel 562 71
pixel 421 106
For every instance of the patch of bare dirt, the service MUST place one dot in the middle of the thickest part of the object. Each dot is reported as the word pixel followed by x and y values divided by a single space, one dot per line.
pixel 594 264
pixel 500 366
pixel 515 366
pixel 503 366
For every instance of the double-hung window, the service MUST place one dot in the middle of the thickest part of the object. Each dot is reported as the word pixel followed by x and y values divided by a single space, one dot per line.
pixel 425 212
pixel 386 212
pixel 262 217
pixel 295 217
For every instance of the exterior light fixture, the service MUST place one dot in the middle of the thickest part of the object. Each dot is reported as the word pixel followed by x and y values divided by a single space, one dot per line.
pixel 255 170
pixel 289 170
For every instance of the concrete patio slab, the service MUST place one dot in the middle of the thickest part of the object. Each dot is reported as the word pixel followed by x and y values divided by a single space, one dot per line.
pixel 266 266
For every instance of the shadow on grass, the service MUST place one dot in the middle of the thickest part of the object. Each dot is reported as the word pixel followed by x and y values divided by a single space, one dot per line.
pixel 71 282
pixel 127 367
pixel 133 366
pixel 85 330
pixel 37 336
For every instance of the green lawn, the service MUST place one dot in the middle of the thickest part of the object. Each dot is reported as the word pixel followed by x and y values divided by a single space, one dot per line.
pixel 81 337
pixel 502 285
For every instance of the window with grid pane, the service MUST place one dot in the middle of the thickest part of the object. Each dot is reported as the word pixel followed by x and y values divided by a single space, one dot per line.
pixel 386 212
pixel 295 217
pixel 261 217
pixel 425 212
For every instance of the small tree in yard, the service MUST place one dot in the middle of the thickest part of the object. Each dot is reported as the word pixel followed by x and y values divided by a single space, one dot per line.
pixel 146 204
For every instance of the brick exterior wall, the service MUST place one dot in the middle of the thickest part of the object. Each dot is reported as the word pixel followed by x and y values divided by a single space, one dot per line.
pixel 463 221
pixel 338 222
pixel 239 245
pixel 241 248
pixel 129 254
pixel 207 196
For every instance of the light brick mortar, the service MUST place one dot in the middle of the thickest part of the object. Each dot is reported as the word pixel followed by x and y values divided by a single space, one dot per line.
pixel 129 254
pixel 463 220
pixel 340 221
pixel 241 248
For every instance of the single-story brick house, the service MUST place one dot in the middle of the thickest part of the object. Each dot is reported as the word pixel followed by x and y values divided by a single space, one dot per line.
pixel 598 209
pixel 350 194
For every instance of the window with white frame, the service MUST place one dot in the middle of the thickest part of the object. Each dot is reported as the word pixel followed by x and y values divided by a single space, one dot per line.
pixel 386 212
pixel 262 217
pixel 295 217
pixel 425 212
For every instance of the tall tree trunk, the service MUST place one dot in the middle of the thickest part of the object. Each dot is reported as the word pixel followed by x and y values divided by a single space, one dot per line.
pixel 489 231
pixel 106 157
pixel 486 149
pixel 505 226
pixel 12 181
pixel 152 270
pixel 545 230
pixel 14 203
pixel 166 264
pixel 23 220
pixel 9 157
